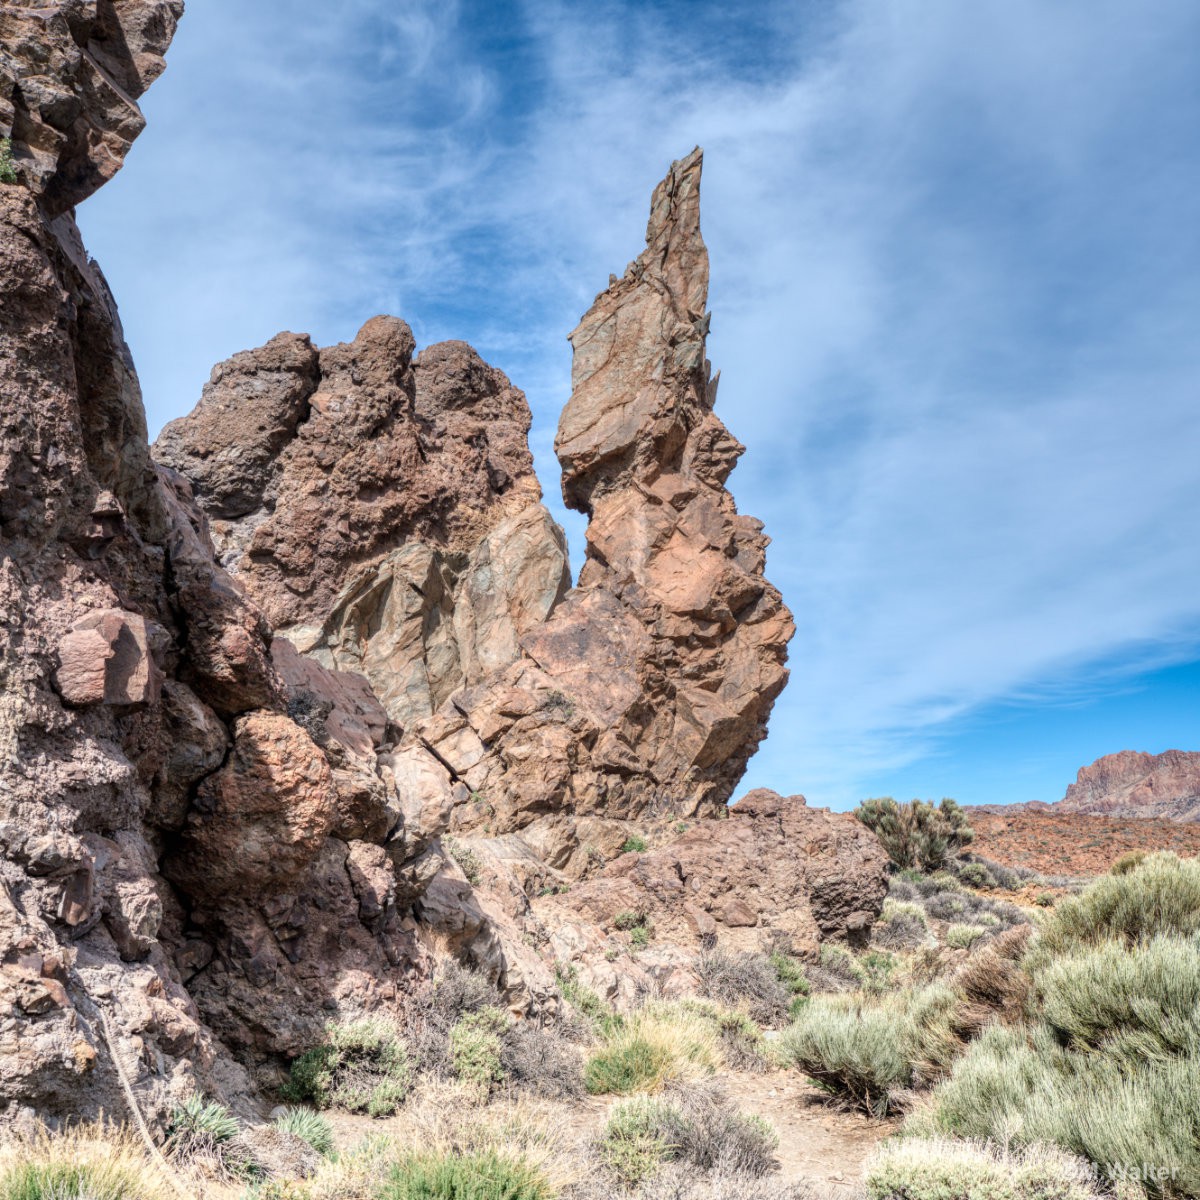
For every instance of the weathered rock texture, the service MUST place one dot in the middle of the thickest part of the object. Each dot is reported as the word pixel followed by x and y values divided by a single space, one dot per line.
pixel 1130 784
pixel 384 513
pixel 143 724
pixel 312 688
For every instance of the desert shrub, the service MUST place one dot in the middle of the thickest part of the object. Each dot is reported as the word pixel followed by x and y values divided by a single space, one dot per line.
pixel 939 881
pixel 8 172
pixel 540 1061
pixel 1159 896
pixel 437 1007
pixel 901 926
pixel 839 963
pixel 362 1066
pixel 1008 878
pixel 309 1126
pixel 202 1129
pixel 634 844
pixel 963 937
pixel 83 1163
pixel 696 1126
pixel 942 1169
pixel 970 908
pixel 1044 900
pixel 1136 1003
pixel 794 978
pixel 991 984
pixel 659 1043
pixel 1129 861
pixel 751 980
pixel 917 834
pixel 475 1049
pixel 866 1053
pixel 976 875
pixel 1021 1087
pixel 483 1175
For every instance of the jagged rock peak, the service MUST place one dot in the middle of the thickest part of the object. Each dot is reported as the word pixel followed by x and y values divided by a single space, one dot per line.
pixel 71 73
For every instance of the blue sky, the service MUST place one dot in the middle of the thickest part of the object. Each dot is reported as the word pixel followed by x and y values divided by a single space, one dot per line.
pixel 955 293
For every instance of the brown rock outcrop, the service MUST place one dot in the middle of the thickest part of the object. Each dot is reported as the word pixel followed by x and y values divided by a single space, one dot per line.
pixel 774 874
pixel 1132 784
pixel 131 666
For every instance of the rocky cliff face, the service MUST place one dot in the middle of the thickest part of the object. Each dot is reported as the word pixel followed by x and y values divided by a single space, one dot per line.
pixel 1129 784
pixel 311 690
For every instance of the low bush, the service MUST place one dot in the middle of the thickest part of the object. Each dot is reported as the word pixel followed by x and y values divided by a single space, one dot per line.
pixel 634 844
pixel 466 858
pixel 198 1127
pixel 976 875
pixel 475 1049
pixel 749 980
pixel 695 1125
pixel 598 1016
pixel 541 1062
pixel 1129 861
pixel 902 925
pixel 1161 895
pixel 794 977
pixel 963 937
pixel 659 1043
pixel 362 1066
pixel 309 1126
pixel 95 1163
pixel 865 1053
pixel 943 1169
pixel 485 1175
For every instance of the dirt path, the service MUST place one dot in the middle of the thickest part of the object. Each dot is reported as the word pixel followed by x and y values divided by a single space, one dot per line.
pixel 817 1143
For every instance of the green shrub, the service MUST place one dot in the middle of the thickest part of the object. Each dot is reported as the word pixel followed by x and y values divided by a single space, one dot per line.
pixel 475 1049
pixel 940 1169
pixel 636 1140
pixel 1044 899
pixel 976 875
pixel 309 1126
pixel 902 925
pixel 483 1175
pixel 629 919
pixel 1137 1003
pixel 864 1052
pixel 362 1066
pixel 1161 895
pixel 917 834
pixel 628 1065
pixel 8 172
pixel 694 1125
pixel 963 937
pixel 598 1014
pixel 634 844
pixel 1129 861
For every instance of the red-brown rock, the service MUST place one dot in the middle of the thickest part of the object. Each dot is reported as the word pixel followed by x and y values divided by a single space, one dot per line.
pixel 1132 784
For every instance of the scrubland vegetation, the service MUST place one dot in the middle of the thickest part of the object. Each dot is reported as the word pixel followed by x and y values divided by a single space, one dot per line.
pixel 1017 1052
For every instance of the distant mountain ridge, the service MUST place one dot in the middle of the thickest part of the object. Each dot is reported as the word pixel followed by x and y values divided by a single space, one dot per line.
pixel 1133 784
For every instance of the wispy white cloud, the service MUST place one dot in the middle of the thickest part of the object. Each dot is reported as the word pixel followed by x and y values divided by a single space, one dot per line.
pixel 955 272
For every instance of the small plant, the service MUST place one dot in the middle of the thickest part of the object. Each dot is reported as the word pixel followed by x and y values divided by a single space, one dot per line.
pixel 475 1049
pixel 309 1126
pixel 963 937
pixel 8 172
pixel 659 1043
pixel 479 1175
pixel 362 1066
pixel 901 926
pixel 1129 861
pixel 751 980
pixel 562 702
pixel 636 1139
pixel 629 919
pixel 599 1015
pixel 976 875
pixel 80 1163
pixel 681 827
pixel 1044 899
pixel 630 1064
pixel 639 937
pixel 791 974
pixel 634 844
pixel 466 858
pixel 199 1126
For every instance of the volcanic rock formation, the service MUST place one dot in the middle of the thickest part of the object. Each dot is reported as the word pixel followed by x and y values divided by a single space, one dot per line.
pixel 314 687
pixel 1130 784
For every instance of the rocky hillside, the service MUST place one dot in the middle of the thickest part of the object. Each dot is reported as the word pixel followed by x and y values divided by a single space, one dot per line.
pixel 1130 784
pixel 311 693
